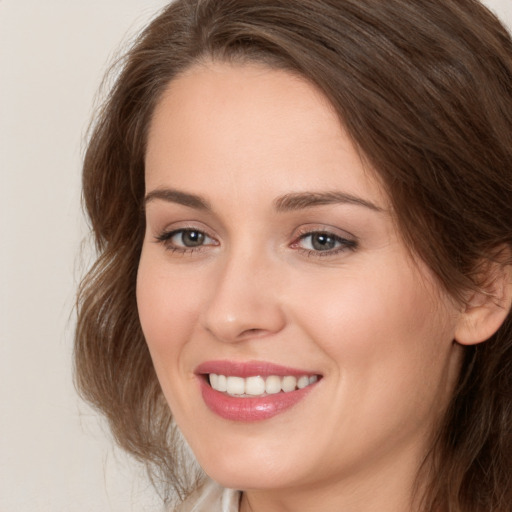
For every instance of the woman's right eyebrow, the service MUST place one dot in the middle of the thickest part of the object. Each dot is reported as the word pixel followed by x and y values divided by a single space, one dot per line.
pixel 176 196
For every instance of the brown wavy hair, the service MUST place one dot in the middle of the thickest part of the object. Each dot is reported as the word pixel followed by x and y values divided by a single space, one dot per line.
pixel 424 89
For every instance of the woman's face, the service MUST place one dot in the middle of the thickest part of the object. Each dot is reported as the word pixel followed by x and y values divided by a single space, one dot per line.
pixel 271 260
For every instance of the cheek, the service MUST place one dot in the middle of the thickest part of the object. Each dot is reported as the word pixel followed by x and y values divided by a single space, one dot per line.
pixel 168 309
pixel 367 309
pixel 168 305
pixel 388 338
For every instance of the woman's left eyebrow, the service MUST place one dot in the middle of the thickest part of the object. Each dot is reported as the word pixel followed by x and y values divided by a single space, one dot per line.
pixel 300 200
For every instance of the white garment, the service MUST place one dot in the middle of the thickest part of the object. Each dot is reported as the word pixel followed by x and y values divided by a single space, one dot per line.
pixel 211 497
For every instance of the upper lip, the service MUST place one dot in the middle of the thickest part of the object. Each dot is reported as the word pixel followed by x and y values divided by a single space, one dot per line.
pixel 249 369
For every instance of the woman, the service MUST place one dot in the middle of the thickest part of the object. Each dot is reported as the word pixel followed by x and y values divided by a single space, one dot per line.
pixel 303 213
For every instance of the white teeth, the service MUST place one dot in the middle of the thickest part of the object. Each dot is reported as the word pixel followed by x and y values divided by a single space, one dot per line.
pixel 254 386
pixel 303 382
pixel 222 383
pixel 258 386
pixel 235 386
pixel 289 383
pixel 214 381
pixel 273 385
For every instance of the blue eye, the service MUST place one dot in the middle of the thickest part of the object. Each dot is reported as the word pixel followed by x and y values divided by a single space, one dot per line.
pixel 321 241
pixel 324 242
pixel 185 239
pixel 189 238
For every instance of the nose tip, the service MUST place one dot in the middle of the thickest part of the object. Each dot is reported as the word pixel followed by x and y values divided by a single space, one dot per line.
pixel 235 329
pixel 244 307
pixel 244 321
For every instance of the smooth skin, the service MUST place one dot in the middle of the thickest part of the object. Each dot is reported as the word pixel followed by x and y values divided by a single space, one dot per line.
pixel 269 240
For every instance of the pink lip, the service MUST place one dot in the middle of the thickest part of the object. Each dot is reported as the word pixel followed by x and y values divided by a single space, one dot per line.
pixel 249 409
pixel 249 369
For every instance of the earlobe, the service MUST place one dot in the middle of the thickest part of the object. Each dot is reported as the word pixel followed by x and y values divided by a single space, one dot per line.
pixel 487 309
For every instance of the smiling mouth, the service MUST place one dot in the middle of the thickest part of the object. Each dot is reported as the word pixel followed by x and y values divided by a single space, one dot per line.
pixel 257 386
pixel 253 390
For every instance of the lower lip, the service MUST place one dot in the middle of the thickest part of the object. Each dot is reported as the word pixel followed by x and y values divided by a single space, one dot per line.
pixel 250 409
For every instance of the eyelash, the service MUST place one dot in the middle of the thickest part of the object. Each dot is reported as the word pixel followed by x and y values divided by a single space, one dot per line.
pixel 166 237
pixel 344 243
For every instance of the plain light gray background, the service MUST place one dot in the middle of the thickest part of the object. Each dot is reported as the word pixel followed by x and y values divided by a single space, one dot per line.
pixel 55 453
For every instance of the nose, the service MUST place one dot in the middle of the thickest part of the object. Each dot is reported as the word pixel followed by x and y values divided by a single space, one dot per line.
pixel 245 300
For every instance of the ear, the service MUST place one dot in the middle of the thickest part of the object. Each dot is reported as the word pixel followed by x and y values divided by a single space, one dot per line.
pixel 487 309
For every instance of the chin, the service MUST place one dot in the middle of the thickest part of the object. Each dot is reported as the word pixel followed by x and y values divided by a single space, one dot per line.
pixel 249 469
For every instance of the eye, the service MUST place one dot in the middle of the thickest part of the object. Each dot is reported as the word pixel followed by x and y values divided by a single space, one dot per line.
pixel 185 239
pixel 323 243
pixel 189 238
pixel 320 241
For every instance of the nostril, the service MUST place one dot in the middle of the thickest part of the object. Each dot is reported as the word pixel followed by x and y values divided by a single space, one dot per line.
pixel 252 333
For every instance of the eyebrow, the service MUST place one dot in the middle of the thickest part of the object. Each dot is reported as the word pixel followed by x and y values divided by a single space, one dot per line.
pixel 288 202
pixel 175 196
pixel 301 200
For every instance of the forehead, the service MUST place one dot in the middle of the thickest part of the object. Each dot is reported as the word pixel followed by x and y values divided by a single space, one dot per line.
pixel 232 122
pixel 248 98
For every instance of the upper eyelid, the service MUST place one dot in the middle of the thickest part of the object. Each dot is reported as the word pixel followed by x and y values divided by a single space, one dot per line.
pixel 184 226
pixel 166 234
pixel 341 239
pixel 322 228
